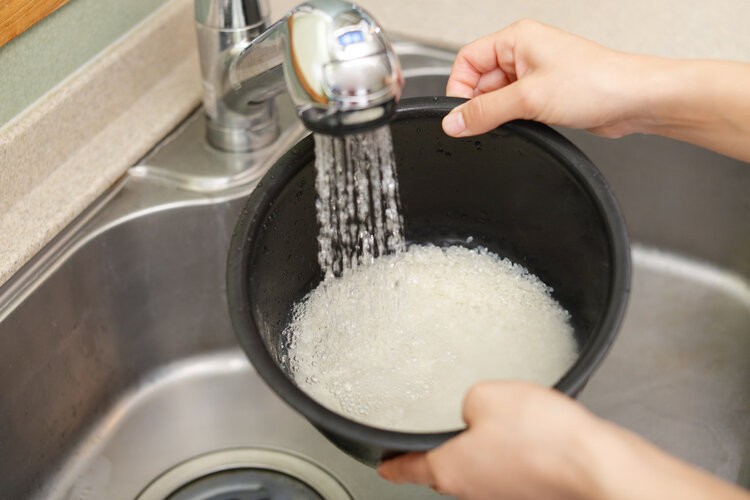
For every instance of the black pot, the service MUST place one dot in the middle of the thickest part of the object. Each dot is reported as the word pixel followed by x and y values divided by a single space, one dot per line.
pixel 522 191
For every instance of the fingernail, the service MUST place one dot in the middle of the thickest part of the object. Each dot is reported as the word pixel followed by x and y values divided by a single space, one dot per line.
pixel 453 123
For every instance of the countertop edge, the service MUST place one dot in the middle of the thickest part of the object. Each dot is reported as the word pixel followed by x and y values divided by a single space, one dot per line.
pixel 94 125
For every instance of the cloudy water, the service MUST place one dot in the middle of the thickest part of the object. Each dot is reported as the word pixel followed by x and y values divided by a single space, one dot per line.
pixel 396 344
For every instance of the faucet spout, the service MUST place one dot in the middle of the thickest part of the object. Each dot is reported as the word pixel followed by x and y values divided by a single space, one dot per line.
pixel 330 55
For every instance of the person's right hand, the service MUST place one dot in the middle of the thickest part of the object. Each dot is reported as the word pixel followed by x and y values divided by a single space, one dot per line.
pixel 533 71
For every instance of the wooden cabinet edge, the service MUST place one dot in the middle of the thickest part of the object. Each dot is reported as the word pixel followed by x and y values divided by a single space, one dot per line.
pixel 16 16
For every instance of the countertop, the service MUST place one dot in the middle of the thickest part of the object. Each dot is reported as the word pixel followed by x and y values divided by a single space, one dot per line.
pixel 67 149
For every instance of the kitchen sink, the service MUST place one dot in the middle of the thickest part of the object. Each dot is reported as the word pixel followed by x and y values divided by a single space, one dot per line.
pixel 120 375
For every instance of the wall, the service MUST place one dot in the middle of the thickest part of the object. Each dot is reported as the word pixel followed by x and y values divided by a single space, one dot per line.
pixel 672 28
pixel 47 53
pixel 42 57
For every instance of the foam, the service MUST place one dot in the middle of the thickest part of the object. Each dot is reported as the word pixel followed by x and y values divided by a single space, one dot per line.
pixel 397 343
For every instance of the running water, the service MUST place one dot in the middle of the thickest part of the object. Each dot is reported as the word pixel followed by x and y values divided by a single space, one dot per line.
pixel 358 202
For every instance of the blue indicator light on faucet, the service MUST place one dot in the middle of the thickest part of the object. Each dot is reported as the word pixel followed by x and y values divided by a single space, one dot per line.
pixel 351 37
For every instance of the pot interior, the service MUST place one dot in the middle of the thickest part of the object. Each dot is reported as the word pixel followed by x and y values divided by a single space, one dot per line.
pixel 500 190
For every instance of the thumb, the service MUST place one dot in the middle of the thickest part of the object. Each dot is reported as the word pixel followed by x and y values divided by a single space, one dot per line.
pixel 408 468
pixel 485 112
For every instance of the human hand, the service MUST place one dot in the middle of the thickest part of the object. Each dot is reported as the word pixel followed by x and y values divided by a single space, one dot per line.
pixel 522 441
pixel 536 72
pixel 525 441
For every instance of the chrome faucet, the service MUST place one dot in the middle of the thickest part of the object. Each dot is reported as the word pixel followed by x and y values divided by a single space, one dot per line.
pixel 331 56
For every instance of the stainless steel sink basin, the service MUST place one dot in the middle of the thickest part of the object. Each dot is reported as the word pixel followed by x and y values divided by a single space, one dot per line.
pixel 118 365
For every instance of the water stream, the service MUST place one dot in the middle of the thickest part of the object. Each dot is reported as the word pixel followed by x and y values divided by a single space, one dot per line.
pixel 358 201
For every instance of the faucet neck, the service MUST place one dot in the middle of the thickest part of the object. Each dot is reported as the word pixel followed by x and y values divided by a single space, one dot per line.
pixel 231 14
pixel 234 121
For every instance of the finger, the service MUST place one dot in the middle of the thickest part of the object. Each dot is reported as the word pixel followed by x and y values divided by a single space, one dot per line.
pixel 491 53
pixel 457 86
pixel 482 398
pixel 493 80
pixel 409 468
pixel 472 61
pixel 487 111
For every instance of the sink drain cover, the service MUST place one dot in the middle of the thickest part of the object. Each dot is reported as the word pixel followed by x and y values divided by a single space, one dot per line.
pixel 246 474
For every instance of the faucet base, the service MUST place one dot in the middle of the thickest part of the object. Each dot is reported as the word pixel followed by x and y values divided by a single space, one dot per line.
pixel 241 140
pixel 184 160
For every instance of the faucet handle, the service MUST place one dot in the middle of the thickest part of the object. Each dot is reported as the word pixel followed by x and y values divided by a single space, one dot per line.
pixel 231 14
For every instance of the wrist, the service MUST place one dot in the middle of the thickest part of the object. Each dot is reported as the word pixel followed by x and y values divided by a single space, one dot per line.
pixel 579 468
pixel 677 98
pixel 609 462
pixel 653 95
pixel 589 463
pixel 624 466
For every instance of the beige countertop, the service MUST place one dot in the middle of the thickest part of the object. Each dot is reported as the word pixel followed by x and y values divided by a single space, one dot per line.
pixel 63 152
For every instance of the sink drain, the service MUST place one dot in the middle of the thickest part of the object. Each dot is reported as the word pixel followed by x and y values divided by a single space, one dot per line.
pixel 246 474
pixel 245 484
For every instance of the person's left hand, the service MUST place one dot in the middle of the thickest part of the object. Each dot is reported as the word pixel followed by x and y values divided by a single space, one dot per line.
pixel 522 441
